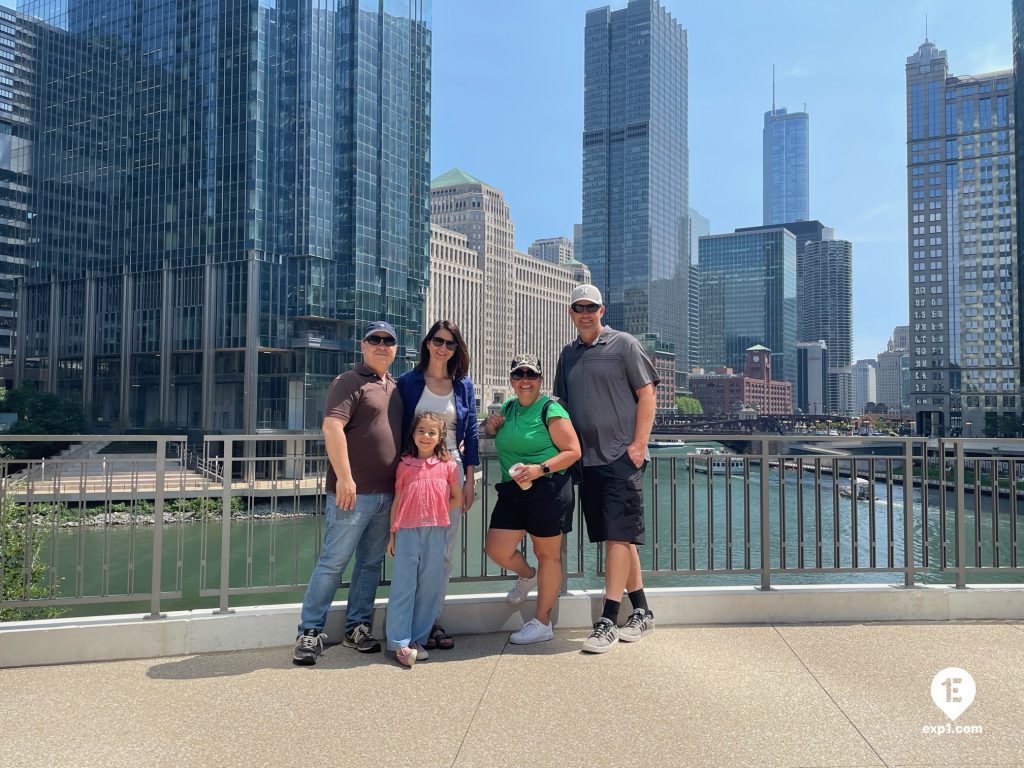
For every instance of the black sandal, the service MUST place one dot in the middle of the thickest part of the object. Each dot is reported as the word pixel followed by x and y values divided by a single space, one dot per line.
pixel 439 639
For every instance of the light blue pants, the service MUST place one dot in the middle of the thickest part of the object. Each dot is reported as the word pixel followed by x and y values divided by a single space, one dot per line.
pixel 417 580
pixel 363 531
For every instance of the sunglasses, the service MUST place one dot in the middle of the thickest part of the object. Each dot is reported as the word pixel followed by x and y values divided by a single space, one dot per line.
pixel 438 342
pixel 590 309
pixel 373 341
pixel 523 373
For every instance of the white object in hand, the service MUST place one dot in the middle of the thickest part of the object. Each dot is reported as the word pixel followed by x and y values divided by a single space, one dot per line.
pixel 514 470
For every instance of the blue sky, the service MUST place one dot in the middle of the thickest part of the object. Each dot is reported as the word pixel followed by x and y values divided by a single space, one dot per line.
pixel 508 109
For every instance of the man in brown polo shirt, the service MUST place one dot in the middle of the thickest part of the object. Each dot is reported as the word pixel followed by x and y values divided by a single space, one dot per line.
pixel 362 424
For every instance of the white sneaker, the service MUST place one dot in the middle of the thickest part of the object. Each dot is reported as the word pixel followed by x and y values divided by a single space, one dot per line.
pixel 522 588
pixel 533 631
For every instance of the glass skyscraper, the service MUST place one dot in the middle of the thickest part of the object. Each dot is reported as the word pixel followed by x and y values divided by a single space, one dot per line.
pixel 965 352
pixel 824 288
pixel 636 169
pixel 17 64
pixel 225 192
pixel 1017 16
pixel 786 166
pixel 748 297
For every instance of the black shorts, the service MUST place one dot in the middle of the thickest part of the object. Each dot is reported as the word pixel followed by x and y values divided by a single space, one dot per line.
pixel 612 497
pixel 544 510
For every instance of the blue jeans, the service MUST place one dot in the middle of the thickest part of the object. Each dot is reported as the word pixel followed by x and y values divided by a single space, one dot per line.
pixel 363 531
pixel 417 581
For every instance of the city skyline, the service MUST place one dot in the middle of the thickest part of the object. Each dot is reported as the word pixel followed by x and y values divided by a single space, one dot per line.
pixel 534 111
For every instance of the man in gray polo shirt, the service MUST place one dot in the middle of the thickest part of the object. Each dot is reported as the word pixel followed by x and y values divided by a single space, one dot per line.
pixel 607 382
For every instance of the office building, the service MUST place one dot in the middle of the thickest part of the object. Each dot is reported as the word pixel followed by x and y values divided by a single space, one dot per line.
pixel 17 57
pixel 462 203
pixel 457 291
pixel 785 159
pixel 893 372
pixel 636 169
pixel 556 250
pixel 698 227
pixel 811 375
pixel 825 307
pixel 748 297
pixel 663 358
pixel 1018 143
pixel 524 303
pixel 964 270
pixel 724 393
pixel 221 208
pixel 824 268
pixel 541 317
pixel 864 390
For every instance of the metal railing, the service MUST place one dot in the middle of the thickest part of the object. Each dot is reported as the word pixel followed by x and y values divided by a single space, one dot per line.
pixel 245 518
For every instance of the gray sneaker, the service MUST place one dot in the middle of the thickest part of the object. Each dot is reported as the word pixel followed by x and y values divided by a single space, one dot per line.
pixel 639 624
pixel 604 636
pixel 362 639
pixel 308 647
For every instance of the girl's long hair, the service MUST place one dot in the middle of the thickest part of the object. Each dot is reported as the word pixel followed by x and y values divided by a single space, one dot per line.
pixel 441 449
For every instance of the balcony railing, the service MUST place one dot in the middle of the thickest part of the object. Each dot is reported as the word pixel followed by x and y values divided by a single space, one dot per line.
pixel 242 516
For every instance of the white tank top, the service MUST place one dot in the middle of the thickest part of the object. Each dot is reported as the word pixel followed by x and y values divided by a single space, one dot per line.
pixel 444 405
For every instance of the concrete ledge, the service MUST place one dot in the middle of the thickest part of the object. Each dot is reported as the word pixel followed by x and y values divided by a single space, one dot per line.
pixel 106 638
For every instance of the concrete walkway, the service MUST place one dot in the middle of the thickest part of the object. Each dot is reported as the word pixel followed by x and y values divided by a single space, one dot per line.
pixel 842 695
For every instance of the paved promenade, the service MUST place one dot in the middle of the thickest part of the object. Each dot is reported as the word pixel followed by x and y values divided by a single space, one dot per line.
pixel 837 695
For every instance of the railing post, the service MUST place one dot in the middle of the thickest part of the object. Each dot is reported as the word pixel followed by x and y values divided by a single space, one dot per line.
pixel 158 530
pixel 565 566
pixel 225 525
pixel 766 555
pixel 908 506
pixel 959 518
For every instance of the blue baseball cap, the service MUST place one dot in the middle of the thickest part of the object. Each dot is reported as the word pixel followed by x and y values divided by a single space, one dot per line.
pixel 382 326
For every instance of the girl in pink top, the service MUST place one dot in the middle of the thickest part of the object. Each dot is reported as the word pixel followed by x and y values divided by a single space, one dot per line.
pixel 426 487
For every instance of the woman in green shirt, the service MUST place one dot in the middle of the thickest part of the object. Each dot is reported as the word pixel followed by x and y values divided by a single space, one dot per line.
pixel 536 438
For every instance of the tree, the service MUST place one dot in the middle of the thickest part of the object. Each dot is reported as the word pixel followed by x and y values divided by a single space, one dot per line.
pixel 689 406
pixel 17 585
pixel 40 413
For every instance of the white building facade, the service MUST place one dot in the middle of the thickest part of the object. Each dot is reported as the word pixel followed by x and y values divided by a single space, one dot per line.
pixel 505 302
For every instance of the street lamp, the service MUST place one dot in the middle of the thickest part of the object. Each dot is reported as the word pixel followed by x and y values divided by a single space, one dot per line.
pixel 967 425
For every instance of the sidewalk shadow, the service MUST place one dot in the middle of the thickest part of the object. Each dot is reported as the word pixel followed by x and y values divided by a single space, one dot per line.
pixel 233 663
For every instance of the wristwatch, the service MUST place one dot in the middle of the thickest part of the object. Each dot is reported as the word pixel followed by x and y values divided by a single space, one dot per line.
pixel 545 469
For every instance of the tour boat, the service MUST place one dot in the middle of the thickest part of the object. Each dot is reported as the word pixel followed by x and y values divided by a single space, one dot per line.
pixel 716 462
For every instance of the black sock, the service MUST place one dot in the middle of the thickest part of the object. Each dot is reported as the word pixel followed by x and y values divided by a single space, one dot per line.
pixel 611 610
pixel 639 600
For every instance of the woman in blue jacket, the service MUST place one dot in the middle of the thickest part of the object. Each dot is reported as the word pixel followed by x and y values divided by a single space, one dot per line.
pixel 440 383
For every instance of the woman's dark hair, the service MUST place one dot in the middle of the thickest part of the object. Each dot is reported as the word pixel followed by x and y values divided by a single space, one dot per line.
pixel 458 363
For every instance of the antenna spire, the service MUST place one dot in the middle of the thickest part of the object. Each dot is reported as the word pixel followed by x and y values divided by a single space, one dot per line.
pixel 773 90
pixel 926 27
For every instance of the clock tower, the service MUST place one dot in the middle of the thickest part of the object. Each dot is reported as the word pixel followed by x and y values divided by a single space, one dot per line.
pixel 759 363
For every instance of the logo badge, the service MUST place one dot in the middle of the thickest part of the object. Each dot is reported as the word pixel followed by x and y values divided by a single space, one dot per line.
pixel 953 691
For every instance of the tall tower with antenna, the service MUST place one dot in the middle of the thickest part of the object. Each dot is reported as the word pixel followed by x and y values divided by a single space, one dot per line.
pixel 786 164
